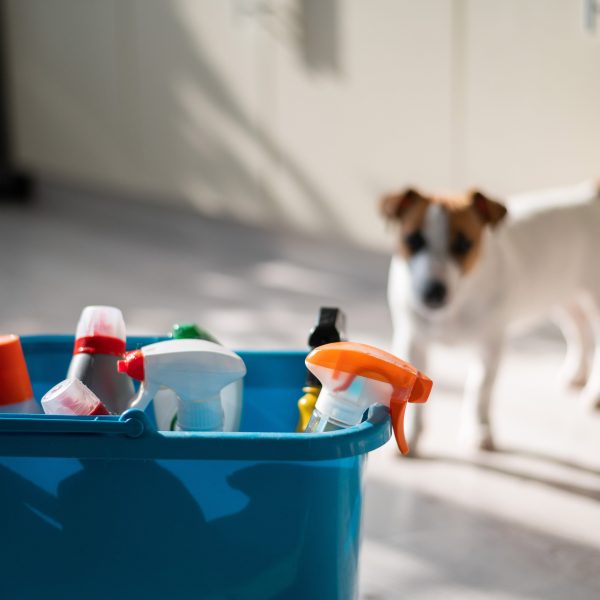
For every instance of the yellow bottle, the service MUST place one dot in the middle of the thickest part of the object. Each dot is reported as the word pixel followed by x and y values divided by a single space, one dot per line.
pixel 306 406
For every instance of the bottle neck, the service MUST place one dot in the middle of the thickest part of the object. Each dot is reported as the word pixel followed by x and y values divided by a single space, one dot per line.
pixel 200 415
pixel 320 423
pixel 340 407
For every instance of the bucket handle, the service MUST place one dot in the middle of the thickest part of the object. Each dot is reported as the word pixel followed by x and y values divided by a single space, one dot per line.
pixel 132 423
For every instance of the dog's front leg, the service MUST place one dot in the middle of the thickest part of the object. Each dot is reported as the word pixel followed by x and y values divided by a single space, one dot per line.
pixel 591 392
pixel 476 430
pixel 408 346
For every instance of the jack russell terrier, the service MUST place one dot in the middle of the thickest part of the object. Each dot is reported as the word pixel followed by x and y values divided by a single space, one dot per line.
pixel 463 272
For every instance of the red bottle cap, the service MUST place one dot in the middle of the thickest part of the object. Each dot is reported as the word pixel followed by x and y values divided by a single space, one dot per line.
pixel 132 364
pixel 101 330
pixel 99 345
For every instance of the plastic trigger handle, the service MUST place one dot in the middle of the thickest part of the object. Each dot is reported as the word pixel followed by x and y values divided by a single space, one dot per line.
pixel 419 394
pixel 144 396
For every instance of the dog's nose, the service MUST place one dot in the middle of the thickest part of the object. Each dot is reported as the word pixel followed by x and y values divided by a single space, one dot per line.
pixel 435 294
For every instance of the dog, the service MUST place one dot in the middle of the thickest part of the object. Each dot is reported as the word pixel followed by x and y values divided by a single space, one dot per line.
pixel 466 269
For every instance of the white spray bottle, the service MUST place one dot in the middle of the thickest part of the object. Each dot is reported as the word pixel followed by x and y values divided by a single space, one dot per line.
pixel 196 370
pixel 165 401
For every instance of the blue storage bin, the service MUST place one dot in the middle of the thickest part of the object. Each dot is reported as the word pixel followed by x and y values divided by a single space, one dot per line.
pixel 107 507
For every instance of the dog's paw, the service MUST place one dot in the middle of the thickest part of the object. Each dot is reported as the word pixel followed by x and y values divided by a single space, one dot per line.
pixel 486 443
pixel 413 440
pixel 477 437
pixel 577 383
pixel 413 452
pixel 590 398
pixel 413 428
pixel 572 378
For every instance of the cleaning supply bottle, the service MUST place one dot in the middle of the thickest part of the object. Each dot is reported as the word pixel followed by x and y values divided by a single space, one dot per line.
pixel 329 328
pixel 165 401
pixel 99 345
pixel 16 394
pixel 72 397
pixel 196 370
pixel 191 331
pixel 356 376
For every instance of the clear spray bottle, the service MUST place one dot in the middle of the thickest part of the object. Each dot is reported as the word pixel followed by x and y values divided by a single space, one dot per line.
pixel 356 376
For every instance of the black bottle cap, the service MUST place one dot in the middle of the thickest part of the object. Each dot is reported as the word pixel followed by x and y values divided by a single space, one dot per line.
pixel 330 328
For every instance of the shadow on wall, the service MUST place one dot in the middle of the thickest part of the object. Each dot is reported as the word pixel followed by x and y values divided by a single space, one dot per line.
pixel 228 171
pixel 319 35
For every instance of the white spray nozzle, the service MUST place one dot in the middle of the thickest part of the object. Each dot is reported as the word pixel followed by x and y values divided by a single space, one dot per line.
pixel 196 370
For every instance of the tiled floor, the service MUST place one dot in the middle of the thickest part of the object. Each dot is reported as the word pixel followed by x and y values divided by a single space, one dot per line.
pixel 523 522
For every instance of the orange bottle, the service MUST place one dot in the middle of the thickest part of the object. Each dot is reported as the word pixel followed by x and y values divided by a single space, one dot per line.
pixel 354 377
pixel 16 394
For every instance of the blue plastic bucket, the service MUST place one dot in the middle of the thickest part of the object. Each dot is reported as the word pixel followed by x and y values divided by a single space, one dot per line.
pixel 107 507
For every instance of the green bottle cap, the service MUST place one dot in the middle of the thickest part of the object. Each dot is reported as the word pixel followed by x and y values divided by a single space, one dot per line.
pixel 191 331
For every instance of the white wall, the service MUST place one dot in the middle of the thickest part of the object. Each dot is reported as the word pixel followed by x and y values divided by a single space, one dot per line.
pixel 377 120
pixel 301 112
pixel 532 95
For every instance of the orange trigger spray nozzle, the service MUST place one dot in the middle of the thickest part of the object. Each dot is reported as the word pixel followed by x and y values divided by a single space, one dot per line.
pixel 355 376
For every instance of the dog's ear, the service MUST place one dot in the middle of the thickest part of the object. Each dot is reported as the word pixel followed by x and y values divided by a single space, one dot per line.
pixel 490 211
pixel 393 206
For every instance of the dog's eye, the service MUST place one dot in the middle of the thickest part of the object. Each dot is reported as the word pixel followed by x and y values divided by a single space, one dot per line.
pixel 415 242
pixel 461 245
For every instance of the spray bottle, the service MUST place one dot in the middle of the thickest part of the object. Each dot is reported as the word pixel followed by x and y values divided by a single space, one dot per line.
pixel 196 371
pixel 16 394
pixel 71 397
pixel 165 401
pixel 356 376
pixel 99 344
pixel 330 328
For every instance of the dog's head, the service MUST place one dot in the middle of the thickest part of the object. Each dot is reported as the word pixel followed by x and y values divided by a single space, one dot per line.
pixel 441 238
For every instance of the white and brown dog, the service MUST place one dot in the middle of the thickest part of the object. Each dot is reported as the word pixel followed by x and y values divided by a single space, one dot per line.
pixel 464 271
